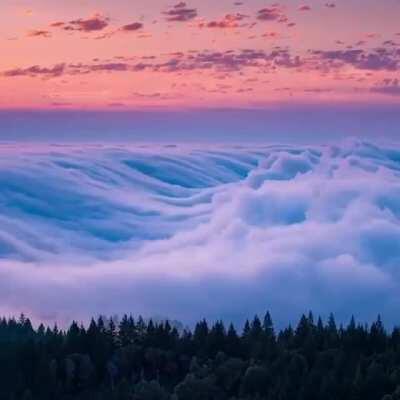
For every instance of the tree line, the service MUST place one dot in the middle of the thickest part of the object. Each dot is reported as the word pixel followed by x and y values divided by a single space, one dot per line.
pixel 137 359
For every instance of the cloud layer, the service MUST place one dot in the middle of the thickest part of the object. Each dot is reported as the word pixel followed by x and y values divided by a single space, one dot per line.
pixel 192 232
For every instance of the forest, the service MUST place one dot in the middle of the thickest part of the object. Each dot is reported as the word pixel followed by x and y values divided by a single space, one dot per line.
pixel 138 359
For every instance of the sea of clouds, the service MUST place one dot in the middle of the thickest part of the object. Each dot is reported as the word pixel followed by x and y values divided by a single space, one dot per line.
pixel 206 231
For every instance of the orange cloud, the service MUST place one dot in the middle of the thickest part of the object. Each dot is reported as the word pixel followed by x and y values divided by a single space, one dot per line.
pixel 39 33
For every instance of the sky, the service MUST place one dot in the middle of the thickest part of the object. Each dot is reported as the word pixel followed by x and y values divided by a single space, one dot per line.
pixel 243 54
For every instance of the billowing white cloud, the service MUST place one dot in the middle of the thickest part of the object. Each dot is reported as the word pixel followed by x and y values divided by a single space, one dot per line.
pixel 189 232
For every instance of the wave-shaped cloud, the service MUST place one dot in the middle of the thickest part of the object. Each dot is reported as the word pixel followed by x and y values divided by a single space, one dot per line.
pixel 192 232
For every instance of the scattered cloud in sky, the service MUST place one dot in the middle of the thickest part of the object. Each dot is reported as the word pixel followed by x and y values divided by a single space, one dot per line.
pixel 134 26
pixel 180 12
pixel 194 45
pixel 35 71
pixel 228 21
pixel 388 86
pixel 39 33
pixel 97 22
pixel 380 59
pixel 271 35
pixel 375 60
pixel 273 13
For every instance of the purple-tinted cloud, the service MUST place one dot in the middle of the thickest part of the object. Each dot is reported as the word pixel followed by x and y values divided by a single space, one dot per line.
pixel 231 60
pixel 318 90
pixel 134 26
pixel 36 70
pixel 273 13
pixel 378 59
pixel 212 61
pixel 92 24
pixel 304 8
pixel 228 21
pixel 78 69
pixel 61 104
pixel 155 95
pixel 388 86
pixel 271 35
pixel 180 12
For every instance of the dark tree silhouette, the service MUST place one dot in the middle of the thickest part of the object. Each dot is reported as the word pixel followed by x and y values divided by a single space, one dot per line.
pixel 137 359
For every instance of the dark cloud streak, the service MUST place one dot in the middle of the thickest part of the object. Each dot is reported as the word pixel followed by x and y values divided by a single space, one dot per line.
pixel 39 33
pixel 389 87
pixel 325 61
pixel 132 27
pixel 92 24
pixel 180 13
pixel 228 21
pixel 376 60
pixel 36 70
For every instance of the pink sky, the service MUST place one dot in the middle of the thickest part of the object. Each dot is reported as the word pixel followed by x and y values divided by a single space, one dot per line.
pixel 126 54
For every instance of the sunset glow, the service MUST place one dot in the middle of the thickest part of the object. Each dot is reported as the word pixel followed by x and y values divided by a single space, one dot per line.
pixel 127 54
